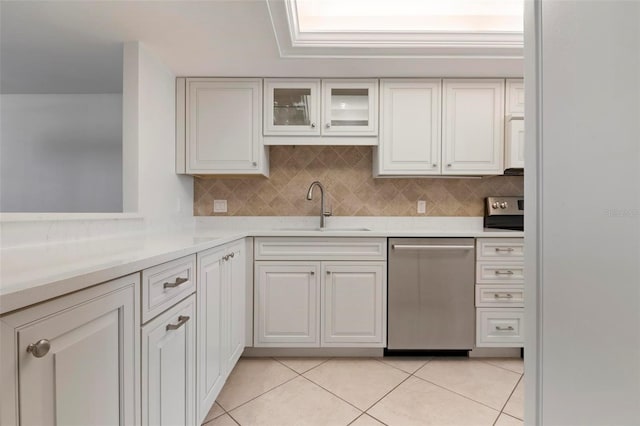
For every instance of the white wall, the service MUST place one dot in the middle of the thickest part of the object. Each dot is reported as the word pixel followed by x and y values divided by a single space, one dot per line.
pixel 163 197
pixel 61 153
pixel 587 229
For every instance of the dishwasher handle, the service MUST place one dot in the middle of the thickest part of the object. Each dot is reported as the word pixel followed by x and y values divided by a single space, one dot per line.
pixel 430 247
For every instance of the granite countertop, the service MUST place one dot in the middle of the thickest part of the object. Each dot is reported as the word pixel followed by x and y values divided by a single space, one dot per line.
pixel 34 274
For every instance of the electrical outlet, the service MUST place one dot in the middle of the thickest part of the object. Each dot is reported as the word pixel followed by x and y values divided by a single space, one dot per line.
pixel 422 206
pixel 219 206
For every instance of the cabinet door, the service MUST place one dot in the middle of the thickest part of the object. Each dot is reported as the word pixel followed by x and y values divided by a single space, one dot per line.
pixel 291 107
pixel 168 367
pixel 287 303
pixel 515 96
pixel 354 298
pixel 514 144
pixel 224 126
pixel 350 107
pixel 88 375
pixel 209 329
pixel 409 127
pixel 234 306
pixel 473 127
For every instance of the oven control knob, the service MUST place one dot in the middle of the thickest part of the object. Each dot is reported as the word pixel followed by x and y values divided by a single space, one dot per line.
pixel 503 205
pixel 495 205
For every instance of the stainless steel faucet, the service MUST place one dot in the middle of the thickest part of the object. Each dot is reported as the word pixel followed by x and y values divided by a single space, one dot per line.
pixel 323 213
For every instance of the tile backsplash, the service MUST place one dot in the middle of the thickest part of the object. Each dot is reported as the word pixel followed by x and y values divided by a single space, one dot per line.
pixel 351 190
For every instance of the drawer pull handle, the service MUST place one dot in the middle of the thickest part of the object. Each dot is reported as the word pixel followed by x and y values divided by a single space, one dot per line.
pixel 509 328
pixel 40 348
pixel 176 283
pixel 504 272
pixel 506 296
pixel 182 319
pixel 510 249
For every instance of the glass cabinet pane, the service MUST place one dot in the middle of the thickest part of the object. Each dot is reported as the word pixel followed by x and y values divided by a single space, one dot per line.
pixel 349 107
pixel 291 107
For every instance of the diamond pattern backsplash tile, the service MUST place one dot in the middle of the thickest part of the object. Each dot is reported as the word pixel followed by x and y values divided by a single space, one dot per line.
pixel 351 190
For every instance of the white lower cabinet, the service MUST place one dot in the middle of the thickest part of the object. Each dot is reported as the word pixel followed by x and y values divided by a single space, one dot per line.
pixel 75 359
pixel 499 327
pixel 287 303
pixel 354 298
pixel 499 292
pixel 320 303
pixel 220 319
pixel 169 361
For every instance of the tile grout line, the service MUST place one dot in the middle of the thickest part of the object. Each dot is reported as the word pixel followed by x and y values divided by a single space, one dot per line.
pixel 510 395
pixel 306 371
pixel 258 396
pixel 457 393
pixel 494 365
pixel 337 396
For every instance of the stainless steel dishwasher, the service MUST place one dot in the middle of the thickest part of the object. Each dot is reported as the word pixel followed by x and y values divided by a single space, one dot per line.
pixel 431 294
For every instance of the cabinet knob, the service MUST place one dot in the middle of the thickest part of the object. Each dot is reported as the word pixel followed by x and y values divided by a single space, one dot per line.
pixel 40 348
pixel 449 165
pixel 312 273
pixel 255 164
pixel 231 255
pixel 434 165
pixel 327 125
pixel 328 272
pixel 313 125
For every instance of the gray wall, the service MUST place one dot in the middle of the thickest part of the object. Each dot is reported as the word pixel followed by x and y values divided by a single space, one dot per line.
pixel 61 153
pixel 583 228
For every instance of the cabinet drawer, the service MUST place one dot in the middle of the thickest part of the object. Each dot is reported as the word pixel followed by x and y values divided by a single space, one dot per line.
pixel 321 248
pixel 500 248
pixel 500 327
pixel 500 296
pixel 499 272
pixel 166 284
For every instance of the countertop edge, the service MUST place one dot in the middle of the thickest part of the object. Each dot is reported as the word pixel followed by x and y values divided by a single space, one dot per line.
pixel 42 291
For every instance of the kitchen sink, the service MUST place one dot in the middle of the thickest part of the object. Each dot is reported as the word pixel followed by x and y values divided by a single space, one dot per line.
pixel 326 229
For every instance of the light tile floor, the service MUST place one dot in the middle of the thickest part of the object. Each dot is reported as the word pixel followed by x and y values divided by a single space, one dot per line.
pixel 371 391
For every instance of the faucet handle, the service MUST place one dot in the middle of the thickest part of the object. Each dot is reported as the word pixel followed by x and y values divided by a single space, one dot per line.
pixel 327 214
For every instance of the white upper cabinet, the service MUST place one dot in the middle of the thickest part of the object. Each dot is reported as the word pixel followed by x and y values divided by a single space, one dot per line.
pixel 410 127
pixel 514 127
pixel 320 112
pixel 350 107
pixel 292 107
pixel 515 96
pixel 222 126
pixel 473 126
pixel 514 143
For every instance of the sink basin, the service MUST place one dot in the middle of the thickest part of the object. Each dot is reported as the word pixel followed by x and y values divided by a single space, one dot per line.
pixel 326 229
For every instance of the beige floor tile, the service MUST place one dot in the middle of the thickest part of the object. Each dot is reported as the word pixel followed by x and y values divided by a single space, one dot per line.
pixel 515 406
pixel 477 380
pixel 359 381
pixel 296 403
pixel 407 364
pixel 252 377
pixel 366 420
pixel 302 364
pixel 223 420
pixel 419 403
pixel 514 364
pixel 215 411
pixel 506 420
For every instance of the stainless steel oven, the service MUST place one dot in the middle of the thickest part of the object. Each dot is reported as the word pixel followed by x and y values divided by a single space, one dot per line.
pixel 504 213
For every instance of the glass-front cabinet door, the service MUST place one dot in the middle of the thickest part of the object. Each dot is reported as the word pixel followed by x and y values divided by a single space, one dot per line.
pixel 291 107
pixel 350 107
